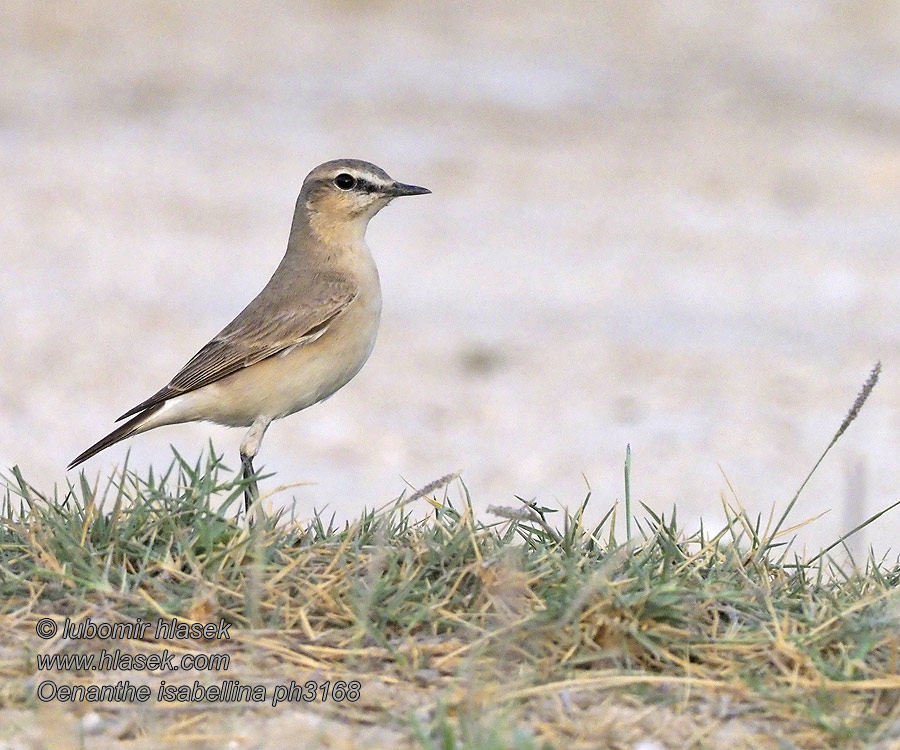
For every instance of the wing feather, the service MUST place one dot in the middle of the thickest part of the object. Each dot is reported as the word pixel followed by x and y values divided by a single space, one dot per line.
pixel 257 334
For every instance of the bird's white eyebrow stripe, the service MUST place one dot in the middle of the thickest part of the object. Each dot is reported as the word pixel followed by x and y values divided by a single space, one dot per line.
pixel 367 179
pixel 368 185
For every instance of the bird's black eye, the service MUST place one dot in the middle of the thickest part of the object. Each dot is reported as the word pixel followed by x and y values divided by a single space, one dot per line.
pixel 345 181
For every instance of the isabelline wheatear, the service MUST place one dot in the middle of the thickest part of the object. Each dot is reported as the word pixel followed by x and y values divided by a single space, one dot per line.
pixel 307 333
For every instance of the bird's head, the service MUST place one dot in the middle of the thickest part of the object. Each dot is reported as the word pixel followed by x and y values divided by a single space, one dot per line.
pixel 351 191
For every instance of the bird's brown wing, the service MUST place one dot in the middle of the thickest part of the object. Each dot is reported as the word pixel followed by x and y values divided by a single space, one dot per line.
pixel 258 333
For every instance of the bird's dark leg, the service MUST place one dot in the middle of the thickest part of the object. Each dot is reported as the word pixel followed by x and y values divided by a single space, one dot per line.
pixel 251 491
pixel 249 449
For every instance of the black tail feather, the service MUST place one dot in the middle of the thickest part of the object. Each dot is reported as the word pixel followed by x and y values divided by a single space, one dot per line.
pixel 120 433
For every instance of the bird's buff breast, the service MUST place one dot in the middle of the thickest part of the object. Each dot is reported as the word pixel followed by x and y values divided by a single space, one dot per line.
pixel 297 378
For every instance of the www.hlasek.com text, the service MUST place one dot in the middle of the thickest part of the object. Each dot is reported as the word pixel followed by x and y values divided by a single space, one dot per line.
pixel 111 661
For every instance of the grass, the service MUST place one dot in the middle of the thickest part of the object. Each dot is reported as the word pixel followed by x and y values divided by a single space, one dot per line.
pixel 529 631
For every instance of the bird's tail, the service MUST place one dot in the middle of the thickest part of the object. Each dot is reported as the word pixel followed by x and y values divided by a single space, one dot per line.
pixel 129 428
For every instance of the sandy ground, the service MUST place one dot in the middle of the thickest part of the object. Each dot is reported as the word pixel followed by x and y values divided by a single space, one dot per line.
pixel 673 225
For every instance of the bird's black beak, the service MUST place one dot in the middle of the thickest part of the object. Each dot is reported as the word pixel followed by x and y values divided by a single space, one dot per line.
pixel 399 188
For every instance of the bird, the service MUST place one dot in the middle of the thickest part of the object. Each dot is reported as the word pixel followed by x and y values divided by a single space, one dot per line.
pixel 305 335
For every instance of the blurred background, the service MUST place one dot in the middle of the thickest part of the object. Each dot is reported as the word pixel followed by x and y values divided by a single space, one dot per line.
pixel 673 225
